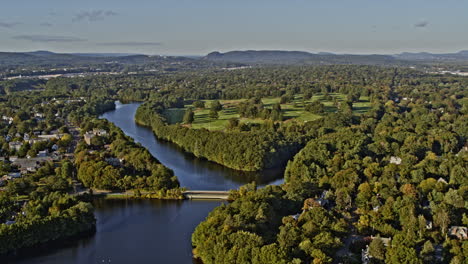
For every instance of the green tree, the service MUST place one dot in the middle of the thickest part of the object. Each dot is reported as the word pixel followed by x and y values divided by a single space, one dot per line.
pixel 216 106
pixel 377 248
pixel 189 116
pixel 213 114
pixel 233 123
pixel 199 104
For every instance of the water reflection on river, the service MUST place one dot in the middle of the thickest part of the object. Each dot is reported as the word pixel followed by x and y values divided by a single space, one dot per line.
pixel 132 231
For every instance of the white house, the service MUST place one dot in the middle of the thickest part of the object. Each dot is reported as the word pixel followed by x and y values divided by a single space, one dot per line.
pixel 15 145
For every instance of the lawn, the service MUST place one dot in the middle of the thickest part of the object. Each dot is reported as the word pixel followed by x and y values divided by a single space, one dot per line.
pixel 291 111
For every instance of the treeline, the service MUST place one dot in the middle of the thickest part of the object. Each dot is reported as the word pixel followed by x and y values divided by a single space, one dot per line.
pixel 248 151
pixel 248 83
pixel 11 86
pixel 55 216
pixel 115 162
pixel 261 82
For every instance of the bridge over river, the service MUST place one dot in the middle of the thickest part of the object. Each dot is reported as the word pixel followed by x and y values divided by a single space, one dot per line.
pixel 217 195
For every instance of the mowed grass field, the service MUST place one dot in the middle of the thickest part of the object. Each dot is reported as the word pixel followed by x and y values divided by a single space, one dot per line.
pixel 291 111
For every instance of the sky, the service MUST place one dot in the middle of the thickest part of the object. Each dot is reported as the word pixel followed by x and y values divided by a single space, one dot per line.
pixel 197 27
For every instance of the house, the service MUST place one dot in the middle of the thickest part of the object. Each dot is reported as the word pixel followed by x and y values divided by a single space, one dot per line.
pixel 96 132
pixel 365 256
pixel 442 180
pixel 87 137
pixel 36 140
pixel 14 175
pixel 55 156
pixel 16 145
pixel 49 137
pixel 8 119
pixel 428 225
pixel 395 160
pixel 295 217
pixel 26 136
pixel 114 161
pixel 386 240
pixel 30 169
pixel 31 164
pixel 460 232
pixel 99 132
pixel 43 153
pixel 322 200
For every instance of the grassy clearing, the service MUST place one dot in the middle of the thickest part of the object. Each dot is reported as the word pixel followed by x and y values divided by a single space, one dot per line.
pixel 291 111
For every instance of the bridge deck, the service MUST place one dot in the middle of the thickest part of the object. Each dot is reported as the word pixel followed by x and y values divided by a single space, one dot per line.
pixel 197 194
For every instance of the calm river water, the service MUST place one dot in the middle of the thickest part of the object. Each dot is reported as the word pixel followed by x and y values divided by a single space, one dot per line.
pixel 147 231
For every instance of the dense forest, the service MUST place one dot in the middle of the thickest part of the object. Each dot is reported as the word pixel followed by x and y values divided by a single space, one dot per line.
pixel 395 181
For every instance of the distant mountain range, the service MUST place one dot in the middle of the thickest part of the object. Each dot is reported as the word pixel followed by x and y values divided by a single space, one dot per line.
pixel 49 53
pixel 43 58
pixel 296 57
pixel 425 56
pixel 249 57
pixel 299 57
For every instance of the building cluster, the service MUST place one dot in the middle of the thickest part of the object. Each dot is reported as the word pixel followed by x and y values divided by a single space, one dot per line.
pixel 29 164
pixel 91 134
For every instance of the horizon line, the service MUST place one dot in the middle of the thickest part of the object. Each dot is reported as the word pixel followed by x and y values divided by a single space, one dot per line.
pixel 130 53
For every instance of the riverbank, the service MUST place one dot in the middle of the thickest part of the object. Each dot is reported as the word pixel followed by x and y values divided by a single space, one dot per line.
pixel 249 151
pixel 192 172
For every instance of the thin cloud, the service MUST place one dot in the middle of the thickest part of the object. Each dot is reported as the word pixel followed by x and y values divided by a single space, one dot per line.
pixel 131 44
pixel 45 24
pixel 47 38
pixel 9 24
pixel 93 16
pixel 421 24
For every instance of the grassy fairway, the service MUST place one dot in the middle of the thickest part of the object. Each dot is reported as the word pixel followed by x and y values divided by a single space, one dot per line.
pixel 294 110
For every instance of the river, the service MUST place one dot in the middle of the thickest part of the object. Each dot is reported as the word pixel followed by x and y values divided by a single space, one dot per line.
pixel 147 231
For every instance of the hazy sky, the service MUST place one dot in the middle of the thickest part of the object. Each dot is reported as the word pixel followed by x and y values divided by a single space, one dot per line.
pixel 191 27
